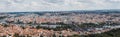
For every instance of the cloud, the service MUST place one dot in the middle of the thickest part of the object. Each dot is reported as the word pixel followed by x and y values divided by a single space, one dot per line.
pixel 40 5
pixel 114 0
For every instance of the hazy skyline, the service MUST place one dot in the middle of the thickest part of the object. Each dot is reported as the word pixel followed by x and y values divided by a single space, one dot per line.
pixel 56 5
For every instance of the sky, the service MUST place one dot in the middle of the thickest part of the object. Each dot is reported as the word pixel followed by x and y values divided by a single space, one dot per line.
pixel 56 5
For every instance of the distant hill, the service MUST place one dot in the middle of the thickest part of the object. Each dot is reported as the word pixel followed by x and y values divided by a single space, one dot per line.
pixel 73 11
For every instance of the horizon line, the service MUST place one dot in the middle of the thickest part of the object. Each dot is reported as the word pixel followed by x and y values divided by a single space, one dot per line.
pixel 58 10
